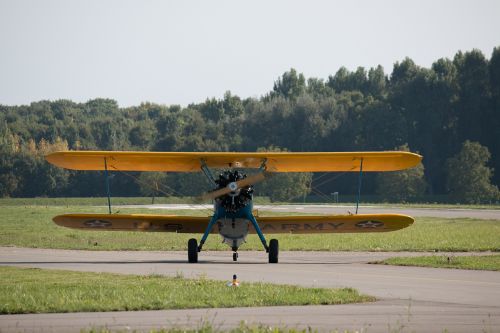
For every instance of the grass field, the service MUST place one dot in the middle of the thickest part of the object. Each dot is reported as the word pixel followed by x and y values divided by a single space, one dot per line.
pixel 99 201
pixel 31 290
pixel 32 226
pixel 487 263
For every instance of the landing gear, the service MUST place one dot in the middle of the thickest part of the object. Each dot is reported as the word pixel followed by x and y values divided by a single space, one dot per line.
pixel 273 251
pixel 193 250
pixel 235 256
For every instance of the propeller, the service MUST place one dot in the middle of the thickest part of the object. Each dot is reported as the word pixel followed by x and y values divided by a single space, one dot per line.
pixel 235 186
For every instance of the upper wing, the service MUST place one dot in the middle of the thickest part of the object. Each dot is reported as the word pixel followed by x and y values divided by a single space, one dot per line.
pixel 275 161
pixel 269 225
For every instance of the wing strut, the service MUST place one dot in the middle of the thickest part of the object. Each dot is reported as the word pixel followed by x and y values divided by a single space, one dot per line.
pixel 107 184
pixel 258 231
pixel 211 224
pixel 207 172
pixel 263 165
pixel 359 184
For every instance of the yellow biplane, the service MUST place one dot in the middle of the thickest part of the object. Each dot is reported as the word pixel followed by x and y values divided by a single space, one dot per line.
pixel 232 193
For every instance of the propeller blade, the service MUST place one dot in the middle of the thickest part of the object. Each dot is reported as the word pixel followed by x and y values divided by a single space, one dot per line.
pixel 215 194
pixel 251 180
pixel 239 184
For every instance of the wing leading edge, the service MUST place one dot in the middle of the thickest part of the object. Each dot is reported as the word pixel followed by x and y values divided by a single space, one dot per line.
pixel 269 225
pixel 334 223
pixel 275 161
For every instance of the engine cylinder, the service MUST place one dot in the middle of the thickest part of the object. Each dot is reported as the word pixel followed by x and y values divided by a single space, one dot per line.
pixel 237 198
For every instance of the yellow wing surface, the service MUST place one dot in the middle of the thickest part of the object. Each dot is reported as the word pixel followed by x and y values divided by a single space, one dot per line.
pixel 269 225
pixel 275 161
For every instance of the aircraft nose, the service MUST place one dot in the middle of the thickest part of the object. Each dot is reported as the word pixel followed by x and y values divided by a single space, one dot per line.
pixel 233 186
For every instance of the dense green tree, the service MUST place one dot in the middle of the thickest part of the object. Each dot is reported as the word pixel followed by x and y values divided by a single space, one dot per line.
pixel 212 110
pixel 233 106
pixel 377 81
pixel 290 85
pixel 268 123
pixel 383 127
pixel 40 178
pixel 401 186
pixel 101 106
pixel 9 181
pixel 344 80
pixel 474 95
pixel 469 175
pixel 492 128
pixel 424 98
pixel 317 88
pixel 141 136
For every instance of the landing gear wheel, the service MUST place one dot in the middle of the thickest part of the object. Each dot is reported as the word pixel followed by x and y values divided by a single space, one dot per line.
pixel 193 250
pixel 235 256
pixel 273 251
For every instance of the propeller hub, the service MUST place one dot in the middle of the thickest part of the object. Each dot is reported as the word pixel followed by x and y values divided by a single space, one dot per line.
pixel 233 186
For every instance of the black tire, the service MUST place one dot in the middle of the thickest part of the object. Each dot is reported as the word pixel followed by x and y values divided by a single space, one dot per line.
pixel 193 250
pixel 273 251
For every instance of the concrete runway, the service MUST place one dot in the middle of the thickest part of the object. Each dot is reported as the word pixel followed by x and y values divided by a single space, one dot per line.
pixel 410 298
pixel 493 214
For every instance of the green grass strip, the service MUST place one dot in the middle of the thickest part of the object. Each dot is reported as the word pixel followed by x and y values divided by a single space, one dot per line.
pixel 205 327
pixel 31 290
pixel 487 263
pixel 32 226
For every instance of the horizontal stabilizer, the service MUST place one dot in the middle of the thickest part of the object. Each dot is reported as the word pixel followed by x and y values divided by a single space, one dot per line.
pixel 275 161
pixel 269 225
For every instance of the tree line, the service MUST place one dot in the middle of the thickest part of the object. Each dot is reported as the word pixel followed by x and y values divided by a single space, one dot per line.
pixel 449 113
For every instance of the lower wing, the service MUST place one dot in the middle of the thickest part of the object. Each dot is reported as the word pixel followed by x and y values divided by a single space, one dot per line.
pixel 304 224
pixel 269 225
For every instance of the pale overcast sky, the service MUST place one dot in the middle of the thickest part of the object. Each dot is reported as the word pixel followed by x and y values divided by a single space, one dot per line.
pixel 178 52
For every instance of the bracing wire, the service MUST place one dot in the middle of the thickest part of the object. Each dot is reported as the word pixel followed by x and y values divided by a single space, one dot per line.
pixel 315 190
pixel 330 179
pixel 168 188
pixel 169 191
